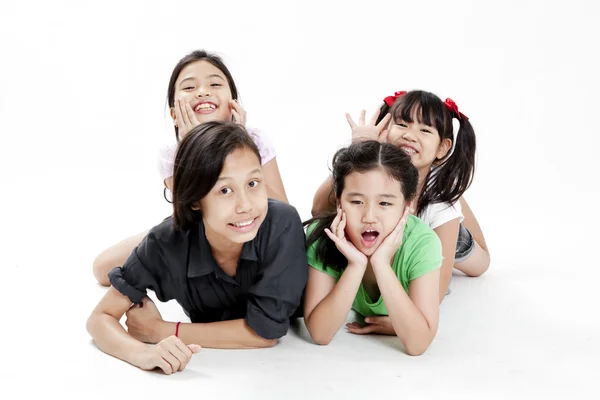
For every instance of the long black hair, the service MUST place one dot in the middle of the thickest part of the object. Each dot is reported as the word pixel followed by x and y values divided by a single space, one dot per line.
pixel 359 157
pixel 451 176
pixel 198 55
pixel 198 164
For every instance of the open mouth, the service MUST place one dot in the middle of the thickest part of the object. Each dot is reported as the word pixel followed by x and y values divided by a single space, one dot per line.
pixel 369 237
pixel 408 150
pixel 205 108
pixel 243 226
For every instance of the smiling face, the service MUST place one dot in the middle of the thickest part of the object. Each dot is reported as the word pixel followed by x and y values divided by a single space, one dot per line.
pixel 374 203
pixel 205 88
pixel 237 205
pixel 421 142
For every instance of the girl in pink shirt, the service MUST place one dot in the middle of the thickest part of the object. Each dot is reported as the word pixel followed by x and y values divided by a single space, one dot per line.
pixel 201 89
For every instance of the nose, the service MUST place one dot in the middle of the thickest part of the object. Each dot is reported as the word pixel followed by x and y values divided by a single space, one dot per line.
pixel 368 216
pixel 408 135
pixel 243 204
pixel 203 91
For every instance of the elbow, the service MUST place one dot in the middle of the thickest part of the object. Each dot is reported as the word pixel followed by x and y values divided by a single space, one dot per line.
pixel 321 338
pixel 100 269
pixel 266 343
pixel 416 349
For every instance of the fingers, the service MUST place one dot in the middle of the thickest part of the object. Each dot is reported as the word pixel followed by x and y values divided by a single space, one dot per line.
pixel 384 122
pixel 374 118
pixel 361 330
pixel 341 229
pixel 333 237
pixel 383 321
pixel 178 114
pixel 183 357
pixel 191 116
pixel 361 119
pixel 194 348
pixel 236 117
pixel 164 365
pixel 184 115
pixel 382 138
pixel 166 355
pixel 350 121
pixel 336 220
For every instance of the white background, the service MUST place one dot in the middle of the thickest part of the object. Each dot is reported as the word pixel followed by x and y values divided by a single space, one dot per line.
pixel 82 114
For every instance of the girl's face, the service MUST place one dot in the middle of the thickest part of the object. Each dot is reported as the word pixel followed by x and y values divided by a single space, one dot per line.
pixel 205 88
pixel 421 142
pixel 373 203
pixel 236 206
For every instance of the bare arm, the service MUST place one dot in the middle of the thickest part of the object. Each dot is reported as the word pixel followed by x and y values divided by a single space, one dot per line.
pixel 115 256
pixel 171 355
pixel 479 260
pixel 327 304
pixel 448 234
pixel 323 200
pixel 234 334
pixel 275 189
pixel 470 222
pixel 415 317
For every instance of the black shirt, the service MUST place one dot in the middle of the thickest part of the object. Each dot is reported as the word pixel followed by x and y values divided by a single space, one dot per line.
pixel 267 289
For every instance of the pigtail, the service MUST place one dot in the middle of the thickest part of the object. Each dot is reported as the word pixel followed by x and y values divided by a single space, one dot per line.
pixel 451 179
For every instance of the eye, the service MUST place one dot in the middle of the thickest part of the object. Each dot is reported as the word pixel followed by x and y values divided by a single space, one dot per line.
pixel 402 125
pixel 355 202
pixel 188 88
pixel 385 204
pixel 225 191
pixel 427 130
pixel 216 84
pixel 253 183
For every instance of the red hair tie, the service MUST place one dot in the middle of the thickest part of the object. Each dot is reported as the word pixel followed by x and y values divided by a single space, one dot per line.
pixel 451 105
pixel 391 99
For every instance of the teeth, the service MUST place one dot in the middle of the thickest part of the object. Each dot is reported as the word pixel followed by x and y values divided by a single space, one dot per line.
pixel 205 106
pixel 408 150
pixel 243 223
pixel 370 230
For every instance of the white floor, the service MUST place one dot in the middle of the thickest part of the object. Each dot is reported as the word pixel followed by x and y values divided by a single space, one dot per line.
pixel 82 89
pixel 526 329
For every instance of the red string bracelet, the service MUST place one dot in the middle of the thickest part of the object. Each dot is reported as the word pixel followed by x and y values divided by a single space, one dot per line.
pixel 177 329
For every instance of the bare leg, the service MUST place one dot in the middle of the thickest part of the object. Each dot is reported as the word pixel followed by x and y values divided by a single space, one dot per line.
pixel 479 261
pixel 115 256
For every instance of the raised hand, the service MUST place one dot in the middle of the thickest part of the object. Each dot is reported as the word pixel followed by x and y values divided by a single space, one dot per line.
pixel 370 131
pixel 185 118
pixel 390 245
pixel 337 233
pixel 238 113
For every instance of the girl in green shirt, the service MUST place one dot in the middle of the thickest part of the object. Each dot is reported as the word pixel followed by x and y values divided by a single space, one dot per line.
pixel 371 254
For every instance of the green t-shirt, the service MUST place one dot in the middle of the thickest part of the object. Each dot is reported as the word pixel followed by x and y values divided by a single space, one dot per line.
pixel 419 254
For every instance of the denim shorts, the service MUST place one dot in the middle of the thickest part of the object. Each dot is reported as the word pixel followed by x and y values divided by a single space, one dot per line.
pixel 464 245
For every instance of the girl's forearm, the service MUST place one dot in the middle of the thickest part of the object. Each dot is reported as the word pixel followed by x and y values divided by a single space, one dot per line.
pixel 322 202
pixel 328 316
pixel 234 334
pixel 408 321
pixel 110 337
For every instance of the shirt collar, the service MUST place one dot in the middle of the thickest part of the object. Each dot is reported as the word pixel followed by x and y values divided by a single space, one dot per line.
pixel 201 261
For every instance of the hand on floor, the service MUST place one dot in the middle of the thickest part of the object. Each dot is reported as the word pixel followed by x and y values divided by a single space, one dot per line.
pixel 170 355
pixel 380 325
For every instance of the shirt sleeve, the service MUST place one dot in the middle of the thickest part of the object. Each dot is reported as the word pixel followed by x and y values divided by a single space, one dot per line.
pixel 283 274
pixel 425 257
pixel 265 147
pixel 440 213
pixel 166 161
pixel 144 269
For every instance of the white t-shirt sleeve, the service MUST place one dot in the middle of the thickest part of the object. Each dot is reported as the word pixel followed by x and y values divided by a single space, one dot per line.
pixel 438 214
